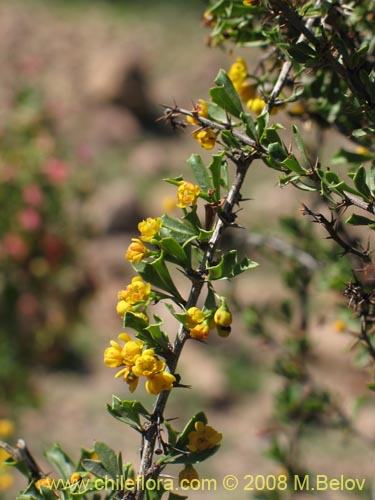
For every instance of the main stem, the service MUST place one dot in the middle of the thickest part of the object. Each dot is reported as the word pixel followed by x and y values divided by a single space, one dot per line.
pixel 145 469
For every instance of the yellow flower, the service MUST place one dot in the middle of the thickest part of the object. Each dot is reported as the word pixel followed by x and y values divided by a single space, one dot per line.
pixel 46 482
pixel 361 150
pixel 137 291
pixel 160 382
pixel 187 194
pixel 149 228
pixel 339 326
pixel 201 109
pixel 238 72
pixel 256 105
pixel 187 475
pixel 113 355
pixel 75 477
pixel 6 427
pixel 136 251
pixel 131 351
pixel 148 364
pixel 6 482
pixel 129 377
pixel 194 316
pixel 246 91
pixel 203 438
pixel 250 3
pixel 122 307
pixel 206 138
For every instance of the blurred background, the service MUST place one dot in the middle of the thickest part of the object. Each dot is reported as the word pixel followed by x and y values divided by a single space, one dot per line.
pixel 82 158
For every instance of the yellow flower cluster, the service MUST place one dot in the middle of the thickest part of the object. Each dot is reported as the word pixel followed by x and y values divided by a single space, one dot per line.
pixel 148 229
pixel 135 294
pixel 199 323
pixel 187 194
pixel 238 73
pixel 137 362
pixel 203 438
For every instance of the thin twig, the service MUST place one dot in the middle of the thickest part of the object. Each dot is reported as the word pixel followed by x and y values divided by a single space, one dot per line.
pixel 145 469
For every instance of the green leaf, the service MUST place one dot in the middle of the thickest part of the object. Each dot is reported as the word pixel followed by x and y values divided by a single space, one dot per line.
pixel 262 122
pixel 181 231
pixel 249 125
pixel 302 52
pixel 60 461
pixel 228 267
pixel 95 467
pixel 160 339
pixel 229 139
pixel 277 152
pixel 291 163
pixel 216 113
pixel 359 220
pixel 300 145
pixel 225 95
pixel 215 167
pixel 128 412
pixel 360 182
pixel 173 251
pixel 158 275
pixel 200 172
pixel 172 434
pixel 371 386
pixel 108 458
pixel 335 184
pixel 371 178
pixel 131 320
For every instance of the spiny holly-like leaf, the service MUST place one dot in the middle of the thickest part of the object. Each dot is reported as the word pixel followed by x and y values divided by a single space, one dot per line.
pixel 128 412
pixel 228 267
pixel 360 182
pixel 225 95
pixel 181 231
pixel 159 338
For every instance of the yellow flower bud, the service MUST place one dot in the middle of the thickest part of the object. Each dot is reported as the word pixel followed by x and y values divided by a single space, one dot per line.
pixel 200 331
pixel 122 307
pixel 223 316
